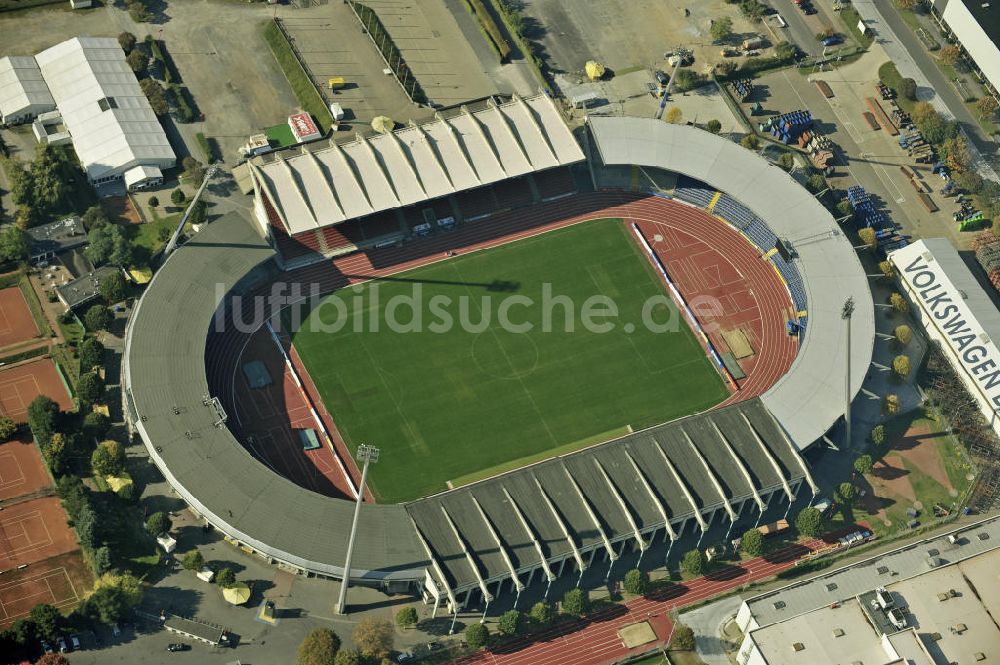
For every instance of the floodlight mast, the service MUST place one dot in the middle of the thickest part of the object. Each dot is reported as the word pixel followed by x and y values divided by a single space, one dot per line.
pixel 846 314
pixel 367 455
pixel 172 244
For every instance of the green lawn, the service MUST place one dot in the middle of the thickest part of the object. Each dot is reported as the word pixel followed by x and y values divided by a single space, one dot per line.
pixel 309 98
pixel 442 405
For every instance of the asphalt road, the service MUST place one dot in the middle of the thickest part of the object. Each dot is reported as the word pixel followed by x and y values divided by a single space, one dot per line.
pixel 798 30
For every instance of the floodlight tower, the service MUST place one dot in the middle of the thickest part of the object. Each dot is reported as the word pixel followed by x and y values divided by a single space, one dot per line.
pixel 366 455
pixel 846 314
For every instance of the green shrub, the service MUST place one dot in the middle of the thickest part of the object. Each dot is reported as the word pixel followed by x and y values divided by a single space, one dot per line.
pixel 206 148
pixel 809 522
pixel 636 582
pixel 510 622
pixel 693 562
pixel 477 635
pixel 682 638
pixel 752 543
pixel 490 28
pixel 576 602
pixel 406 617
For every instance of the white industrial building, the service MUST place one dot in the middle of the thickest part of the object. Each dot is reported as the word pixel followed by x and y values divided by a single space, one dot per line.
pixel 23 92
pixel 956 314
pixel 114 131
pixel 976 24
pixel 932 602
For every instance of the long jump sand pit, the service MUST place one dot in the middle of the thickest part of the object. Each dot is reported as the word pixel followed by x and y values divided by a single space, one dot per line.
pixel 33 531
pixel 16 324
pixel 24 382
pixel 60 581
pixel 21 469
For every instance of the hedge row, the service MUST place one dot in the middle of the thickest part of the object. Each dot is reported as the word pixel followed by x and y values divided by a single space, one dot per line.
pixel 24 355
pixel 309 98
pixel 206 148
pixel 180 98
pixel 491 28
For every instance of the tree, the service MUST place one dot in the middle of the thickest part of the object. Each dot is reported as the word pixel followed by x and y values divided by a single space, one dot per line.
pixel 752 543
pixel 90 387
pixel 113 287
pixel 785 51
pixel 13 244
pixel 682 638
pixel 91 354
pixel 406 617
pixel 908 89
pixel 687 79
pixel 867 237
pixel 98 317
pixel 906 4
pixel 809 522
pixel 541 613
pixel 137 61
pixel 846 493
pixel 47 621
pixel 903 334
pixel 157 523
pixel 864 465
pixel 193 169
pixel 986 107
pixel 477 635
pixel 128 586
pixel 43 414
pixel 844 209
pixel 815 183
pixel 52 659
pixel 127 41
pixel 193 560
pixel 102 559
pixel 108 245
pixel 7 428
pixel 373 637
pixel 95 426
pixel 970 181
pixel 693 562
pixel 348 657
pixel 887 270
pixel 786 161
pixel 576 602
pixel 177 196
pixel 510 622
pixel 713 126
pixel 94 217
pixel 750 142
pixel 901 366
pixel 674 115
pixel 957 155
pixel 154 202
pixel 226 578
pixel 877 435
pixel 197 215
pixel 899 303
pixel 56 452
pixel 154 93
pixel 950 54
pixel 722 29
pixel 635 582
pixel 108 458
pixel 891 405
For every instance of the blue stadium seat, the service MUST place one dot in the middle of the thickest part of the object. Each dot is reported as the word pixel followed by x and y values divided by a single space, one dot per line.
pixel 693 191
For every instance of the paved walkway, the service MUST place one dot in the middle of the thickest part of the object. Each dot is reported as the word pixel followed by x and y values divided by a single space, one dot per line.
pixel 594 640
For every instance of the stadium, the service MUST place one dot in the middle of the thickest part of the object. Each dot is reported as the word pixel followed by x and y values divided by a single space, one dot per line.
pixel 507 460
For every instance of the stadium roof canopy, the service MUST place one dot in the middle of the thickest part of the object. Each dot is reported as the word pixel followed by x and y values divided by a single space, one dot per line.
pixel 109 118
pixel 22 89
pixel 809 398
pixel 418 163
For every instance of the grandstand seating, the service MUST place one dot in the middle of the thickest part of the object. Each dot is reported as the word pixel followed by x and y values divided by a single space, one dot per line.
pixel 476 203
pixel 554 183
pixel 513 193
pixel 294 248
pixel 693 191
pixel 335 239
pixel 376 226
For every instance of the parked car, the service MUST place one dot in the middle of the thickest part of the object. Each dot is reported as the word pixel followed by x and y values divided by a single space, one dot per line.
pixel 46 647
pixel 178 646
pixel 832 40
pixel 75 641
pixel 62 644
pixel 115 630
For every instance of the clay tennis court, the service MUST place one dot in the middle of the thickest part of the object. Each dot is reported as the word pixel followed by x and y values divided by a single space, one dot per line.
pixel 22 383
pixel 16 323
pixel 21 469
pixel 61 582
pixel 33 531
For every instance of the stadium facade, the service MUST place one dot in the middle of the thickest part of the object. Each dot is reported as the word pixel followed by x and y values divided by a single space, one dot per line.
pixel 531 524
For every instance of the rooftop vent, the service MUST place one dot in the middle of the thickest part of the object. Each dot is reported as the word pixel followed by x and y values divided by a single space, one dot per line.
pixel 982 535
pixel 935 637
pixel 779 604
pixel 882 570
pixel 933 552
pixel 980 656
pixel 838 632
pixel 832 586
pixel 798 646
pixel 107 103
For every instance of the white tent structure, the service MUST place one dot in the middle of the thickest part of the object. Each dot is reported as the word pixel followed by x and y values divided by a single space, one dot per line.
pixel 110 120
pixel 23 93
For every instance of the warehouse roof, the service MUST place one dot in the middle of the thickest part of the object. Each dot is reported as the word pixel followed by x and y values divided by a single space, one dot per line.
pixel 22 85
pixel 85 288
pixel 809 398
pixel 316 188
pixel 102 105
pixel 57 236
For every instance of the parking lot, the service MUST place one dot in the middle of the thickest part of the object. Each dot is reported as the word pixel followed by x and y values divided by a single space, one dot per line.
pixel 329 40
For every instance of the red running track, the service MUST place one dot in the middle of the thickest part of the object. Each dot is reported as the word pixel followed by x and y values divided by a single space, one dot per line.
pixel 594 640
pixel 725 267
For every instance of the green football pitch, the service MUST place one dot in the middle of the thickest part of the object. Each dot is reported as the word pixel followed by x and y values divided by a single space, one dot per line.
pixel 461 402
